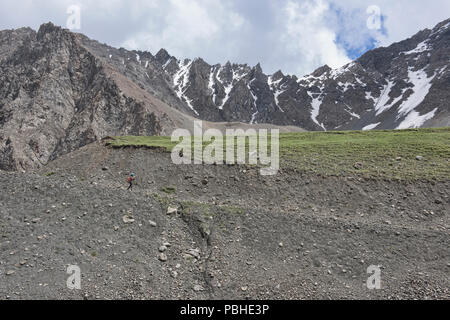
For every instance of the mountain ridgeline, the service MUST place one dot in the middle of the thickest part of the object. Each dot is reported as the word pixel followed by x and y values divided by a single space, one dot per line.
pixel 60 91
pixel 402 86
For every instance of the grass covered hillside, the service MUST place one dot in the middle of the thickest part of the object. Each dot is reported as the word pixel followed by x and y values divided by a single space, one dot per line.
pixel 400 154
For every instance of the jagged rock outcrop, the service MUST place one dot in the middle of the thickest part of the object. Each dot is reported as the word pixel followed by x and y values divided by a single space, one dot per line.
pixel 55 96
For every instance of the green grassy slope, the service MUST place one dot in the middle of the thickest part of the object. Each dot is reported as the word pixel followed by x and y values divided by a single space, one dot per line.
pixel 373 154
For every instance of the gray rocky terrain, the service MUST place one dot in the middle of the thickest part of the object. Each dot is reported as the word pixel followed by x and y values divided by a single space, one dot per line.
pixel 216 232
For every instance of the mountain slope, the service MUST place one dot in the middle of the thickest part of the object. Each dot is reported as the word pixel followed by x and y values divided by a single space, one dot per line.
pixel 55 97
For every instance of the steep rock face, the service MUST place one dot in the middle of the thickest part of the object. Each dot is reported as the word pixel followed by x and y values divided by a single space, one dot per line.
pixel 56 97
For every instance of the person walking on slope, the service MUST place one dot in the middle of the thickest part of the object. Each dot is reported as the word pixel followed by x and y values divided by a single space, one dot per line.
pixel 131 179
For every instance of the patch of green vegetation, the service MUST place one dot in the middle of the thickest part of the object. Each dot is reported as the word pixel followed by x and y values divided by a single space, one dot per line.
pixel 169 190
pixel 94 254
pixel 49 174
pixel 387 154
pixel 390 154
pixel 142 141
pixel 163 201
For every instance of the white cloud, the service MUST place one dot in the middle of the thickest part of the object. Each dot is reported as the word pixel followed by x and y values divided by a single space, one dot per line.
pixel 307 36
pixel 402 18
pixel 296 36
pixel 188 26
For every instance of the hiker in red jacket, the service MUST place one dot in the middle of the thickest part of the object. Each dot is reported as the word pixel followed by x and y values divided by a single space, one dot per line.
pixel 131 179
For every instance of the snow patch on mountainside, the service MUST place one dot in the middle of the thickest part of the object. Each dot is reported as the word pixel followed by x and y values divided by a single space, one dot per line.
pixel 336 73
pixel 371 126
pixel 254 117
pixel 166 64
pixel 181 80
pixel 255 99
pixel 415 120
pixel 315 105
pixel 380 106
pixel 273 85
pixel 421 47
pixel 212 83
pixel 276 95
pixel 228 88
pixel 421 87
pixel 370 97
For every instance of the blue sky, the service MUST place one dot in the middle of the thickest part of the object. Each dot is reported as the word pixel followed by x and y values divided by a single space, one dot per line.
pixel 296 36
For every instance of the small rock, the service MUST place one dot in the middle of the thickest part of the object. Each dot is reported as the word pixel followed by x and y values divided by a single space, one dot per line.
pixel 172 210
pixel 10 272
pixel 398 159
pixel 194 252
pixel 162 257
pixel 244 289
pixel 152 223
pixel 128 219
pixel 419 158
pixel 438 201
pixel 358 165
pixel 116 228
pixel 162 249
pixel 198 288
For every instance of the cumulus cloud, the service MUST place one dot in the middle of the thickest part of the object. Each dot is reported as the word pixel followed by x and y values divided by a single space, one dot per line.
pixel 296 36
pixel 307 36
pixel 183 26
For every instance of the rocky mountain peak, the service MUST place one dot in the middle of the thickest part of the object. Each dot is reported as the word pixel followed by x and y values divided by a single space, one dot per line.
pixel 48 28
pixel 277 75
pixel 162 56
pixel 320 71
pixel 258 68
